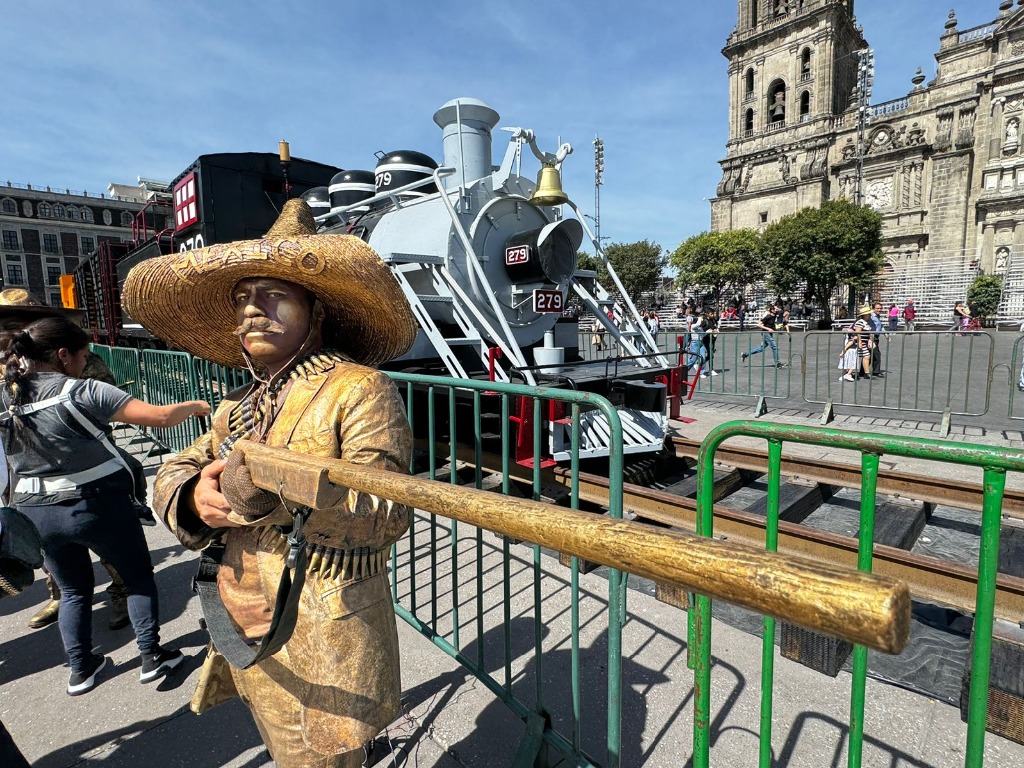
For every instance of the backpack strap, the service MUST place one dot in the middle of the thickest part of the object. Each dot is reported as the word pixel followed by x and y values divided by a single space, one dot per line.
pixel 88 425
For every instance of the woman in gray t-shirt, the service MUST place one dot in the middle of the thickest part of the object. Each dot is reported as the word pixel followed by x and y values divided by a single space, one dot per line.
pixel 73 485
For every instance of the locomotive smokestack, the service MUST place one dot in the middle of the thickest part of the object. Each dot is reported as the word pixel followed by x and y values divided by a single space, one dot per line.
pixel 467 125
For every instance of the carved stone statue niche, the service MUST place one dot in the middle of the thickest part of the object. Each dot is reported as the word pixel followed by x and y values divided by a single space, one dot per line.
pixel 1002 258
pixel 1012 136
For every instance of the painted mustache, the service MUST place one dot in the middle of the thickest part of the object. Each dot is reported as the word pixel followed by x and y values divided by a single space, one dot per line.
pixel 260 325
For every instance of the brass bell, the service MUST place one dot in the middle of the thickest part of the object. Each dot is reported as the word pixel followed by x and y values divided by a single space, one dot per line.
pixel 549 187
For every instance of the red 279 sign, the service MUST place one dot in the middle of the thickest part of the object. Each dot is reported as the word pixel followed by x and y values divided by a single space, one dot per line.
pixel 518 254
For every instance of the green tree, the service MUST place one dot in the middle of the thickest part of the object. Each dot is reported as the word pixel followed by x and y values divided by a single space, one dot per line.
pixel 586 261
pixel 837 244
pixel 983 295
pixel 638 266
pixel 723 261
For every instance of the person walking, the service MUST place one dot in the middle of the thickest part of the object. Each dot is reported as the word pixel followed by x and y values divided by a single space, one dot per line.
pixel 597 338
pixel 77 490
pixel 909 313
pixel 860 341
pixel 768 326
pixel 875 320
pixel 855 356
pixel 894 318
pixel 710 337
pixel 848 361
pixel 695 358
pixel 961 316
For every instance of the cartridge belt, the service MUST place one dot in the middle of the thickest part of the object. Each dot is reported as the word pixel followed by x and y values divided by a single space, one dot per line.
pixel 346 564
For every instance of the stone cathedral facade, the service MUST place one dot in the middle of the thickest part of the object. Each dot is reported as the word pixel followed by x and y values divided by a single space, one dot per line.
pixel 944 165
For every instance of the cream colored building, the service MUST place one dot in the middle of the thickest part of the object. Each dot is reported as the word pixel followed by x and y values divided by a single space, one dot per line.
pixel 943 165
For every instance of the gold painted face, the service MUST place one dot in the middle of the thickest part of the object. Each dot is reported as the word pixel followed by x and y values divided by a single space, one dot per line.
pixel 273 319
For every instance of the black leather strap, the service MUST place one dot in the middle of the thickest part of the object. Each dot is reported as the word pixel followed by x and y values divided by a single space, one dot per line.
pixel 239 652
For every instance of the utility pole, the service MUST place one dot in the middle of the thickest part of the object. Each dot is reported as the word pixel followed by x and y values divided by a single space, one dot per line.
pixel 862 90
pixel 598 183
pixel 865 79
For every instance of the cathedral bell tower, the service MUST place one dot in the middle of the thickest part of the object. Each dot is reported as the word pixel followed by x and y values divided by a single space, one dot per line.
pixel 792 71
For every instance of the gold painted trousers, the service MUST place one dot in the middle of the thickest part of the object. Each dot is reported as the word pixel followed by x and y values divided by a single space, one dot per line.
pixel 278 717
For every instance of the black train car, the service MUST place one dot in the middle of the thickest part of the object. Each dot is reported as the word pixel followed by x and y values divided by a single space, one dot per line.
pixel 219 198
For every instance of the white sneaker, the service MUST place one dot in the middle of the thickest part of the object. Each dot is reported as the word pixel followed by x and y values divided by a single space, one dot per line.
pixel 714 373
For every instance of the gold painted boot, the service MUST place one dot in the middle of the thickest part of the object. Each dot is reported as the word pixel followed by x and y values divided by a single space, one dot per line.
pixel 118 594
pixel 118 612
pixel 45 615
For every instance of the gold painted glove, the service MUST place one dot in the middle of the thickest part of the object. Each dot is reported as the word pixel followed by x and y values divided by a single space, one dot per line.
pixel 245 498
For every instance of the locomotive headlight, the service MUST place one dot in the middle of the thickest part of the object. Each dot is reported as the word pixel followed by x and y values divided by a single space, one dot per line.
pixel 546 254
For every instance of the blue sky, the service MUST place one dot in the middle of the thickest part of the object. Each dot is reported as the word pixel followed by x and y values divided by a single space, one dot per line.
pixel 107 91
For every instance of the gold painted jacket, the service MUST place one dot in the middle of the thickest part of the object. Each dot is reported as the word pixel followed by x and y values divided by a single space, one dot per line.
pixel 342 659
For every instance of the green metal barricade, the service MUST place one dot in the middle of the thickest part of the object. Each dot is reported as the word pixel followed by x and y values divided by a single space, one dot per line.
pixel 732 370
pixel 914 378
pixel 102 352
pixel 1015 408
pixel 995 463
pixel 215 381
pixel 454 413
pixel 124 363
pixel 169 378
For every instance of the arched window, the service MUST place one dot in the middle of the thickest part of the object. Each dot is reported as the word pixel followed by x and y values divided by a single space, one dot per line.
pixel 805 64
pixel 776 104
pixel 9 206
pixel 87 214
pixel 748 122
pixel 126 219
pixel 805 106
pixel 58 211
pixel 748 83
pixel 44 210
pixel 753 12
pixel 72 213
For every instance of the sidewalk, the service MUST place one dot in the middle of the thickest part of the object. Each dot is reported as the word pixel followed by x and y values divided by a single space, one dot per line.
pixel 451 719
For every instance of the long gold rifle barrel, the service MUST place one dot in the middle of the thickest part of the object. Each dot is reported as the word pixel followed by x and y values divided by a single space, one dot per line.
pixel 861 608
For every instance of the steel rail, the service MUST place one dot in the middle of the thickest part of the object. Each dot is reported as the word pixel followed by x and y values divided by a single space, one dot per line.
pixel 929 578
pixel 934 490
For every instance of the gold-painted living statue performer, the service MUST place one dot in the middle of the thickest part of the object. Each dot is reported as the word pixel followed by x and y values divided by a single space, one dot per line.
pixel 307 314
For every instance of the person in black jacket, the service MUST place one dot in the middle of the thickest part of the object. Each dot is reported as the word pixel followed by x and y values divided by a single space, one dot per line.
pixel 768 326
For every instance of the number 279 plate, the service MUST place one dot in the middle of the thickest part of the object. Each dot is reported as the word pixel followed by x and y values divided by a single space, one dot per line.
pixel 548 301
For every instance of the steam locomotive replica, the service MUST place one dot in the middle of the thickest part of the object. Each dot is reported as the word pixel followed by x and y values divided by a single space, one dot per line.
pixel 484 255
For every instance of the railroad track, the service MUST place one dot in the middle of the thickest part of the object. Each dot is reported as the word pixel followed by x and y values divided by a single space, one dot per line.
pixel 813 494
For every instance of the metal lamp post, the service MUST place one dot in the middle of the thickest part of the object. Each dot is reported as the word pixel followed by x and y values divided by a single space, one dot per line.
pixel 865 79
pixel 598 183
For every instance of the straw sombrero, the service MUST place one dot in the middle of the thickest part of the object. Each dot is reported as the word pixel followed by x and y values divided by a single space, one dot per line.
pixel 19 304
pixel 185 298
pixel 865 310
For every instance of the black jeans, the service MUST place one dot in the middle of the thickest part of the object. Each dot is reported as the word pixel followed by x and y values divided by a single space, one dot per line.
pixel 109 526
pixel 876 357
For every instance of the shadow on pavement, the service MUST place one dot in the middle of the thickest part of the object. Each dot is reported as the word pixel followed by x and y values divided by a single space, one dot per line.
pixel 181 739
